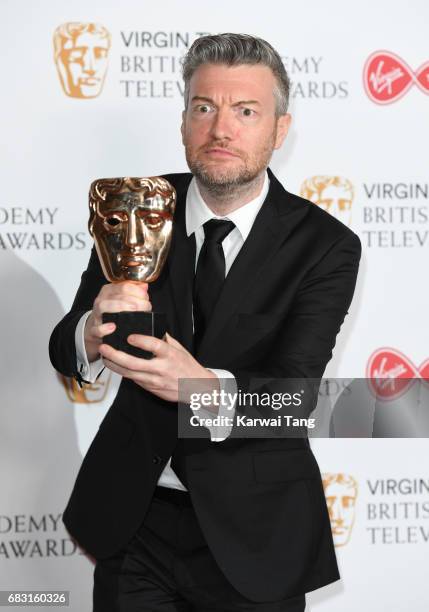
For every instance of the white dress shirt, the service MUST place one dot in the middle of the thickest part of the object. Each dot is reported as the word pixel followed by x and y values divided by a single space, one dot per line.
pixel 196 214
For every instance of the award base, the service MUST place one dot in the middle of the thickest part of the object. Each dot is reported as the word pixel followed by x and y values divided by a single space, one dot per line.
pixel 146 323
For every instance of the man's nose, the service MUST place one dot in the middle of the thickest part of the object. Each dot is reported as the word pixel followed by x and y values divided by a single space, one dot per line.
pixel 135 234
pixel 89 61
pixel 223 125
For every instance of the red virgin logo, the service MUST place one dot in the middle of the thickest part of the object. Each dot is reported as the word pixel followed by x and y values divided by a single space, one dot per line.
pixel 390 373
pixel 386 77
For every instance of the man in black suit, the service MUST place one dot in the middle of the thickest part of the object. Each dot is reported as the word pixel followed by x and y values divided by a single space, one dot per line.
pixel 256 286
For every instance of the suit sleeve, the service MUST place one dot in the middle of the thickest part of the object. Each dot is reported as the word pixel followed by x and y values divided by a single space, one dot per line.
pixel 305 341
pixel 62 346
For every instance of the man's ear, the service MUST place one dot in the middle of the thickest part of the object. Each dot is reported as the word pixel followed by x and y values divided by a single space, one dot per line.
pixel 182 127
pixel 282 128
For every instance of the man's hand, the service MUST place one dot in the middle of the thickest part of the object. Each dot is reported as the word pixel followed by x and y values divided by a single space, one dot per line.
pixel 114 297
pixel 159 375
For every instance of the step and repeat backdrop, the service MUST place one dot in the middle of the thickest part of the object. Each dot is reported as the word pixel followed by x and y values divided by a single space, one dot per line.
pixel 93 89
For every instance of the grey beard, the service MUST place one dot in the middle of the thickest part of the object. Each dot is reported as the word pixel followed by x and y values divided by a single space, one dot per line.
pixel 223 185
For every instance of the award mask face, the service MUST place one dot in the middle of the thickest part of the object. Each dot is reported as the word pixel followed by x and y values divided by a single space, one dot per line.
pixel 131 221
pixel 81 54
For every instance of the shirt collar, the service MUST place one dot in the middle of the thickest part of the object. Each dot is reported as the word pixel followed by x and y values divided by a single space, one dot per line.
pixel 197 211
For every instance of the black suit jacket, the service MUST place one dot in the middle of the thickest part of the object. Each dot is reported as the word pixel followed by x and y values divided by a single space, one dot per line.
pixel 260 502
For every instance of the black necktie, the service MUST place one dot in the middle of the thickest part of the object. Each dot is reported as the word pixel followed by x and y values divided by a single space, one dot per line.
pixel 209 278
pixel 210 273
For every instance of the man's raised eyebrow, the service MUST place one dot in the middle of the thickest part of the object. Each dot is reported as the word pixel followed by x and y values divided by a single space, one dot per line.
pixel 202 99
pixel 239 103
pixel 243 102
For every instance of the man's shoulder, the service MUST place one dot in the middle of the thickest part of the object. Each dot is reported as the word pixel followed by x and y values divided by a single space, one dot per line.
pixel 326 226
pixel 327 223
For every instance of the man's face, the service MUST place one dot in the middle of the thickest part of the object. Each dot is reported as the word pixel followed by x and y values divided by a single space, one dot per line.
pixel 230 128
pixel 341 500
pixel 132 233
pixel 337 200
pixel 84 61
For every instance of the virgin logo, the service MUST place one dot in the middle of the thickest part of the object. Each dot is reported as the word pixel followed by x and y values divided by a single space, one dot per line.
pixel 390 373
pixel 386 77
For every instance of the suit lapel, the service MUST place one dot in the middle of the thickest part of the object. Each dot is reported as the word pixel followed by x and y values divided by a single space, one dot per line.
pixel 277 218
pixel 181 262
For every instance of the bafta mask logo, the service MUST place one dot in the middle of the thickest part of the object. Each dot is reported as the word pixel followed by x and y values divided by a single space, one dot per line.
pixel 340 493
pixel 81 55
pixel 88 393
pixel 332 193
pixel 131 221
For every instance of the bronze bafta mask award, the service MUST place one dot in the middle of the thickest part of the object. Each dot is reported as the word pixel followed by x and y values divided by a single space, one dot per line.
pixel 131 221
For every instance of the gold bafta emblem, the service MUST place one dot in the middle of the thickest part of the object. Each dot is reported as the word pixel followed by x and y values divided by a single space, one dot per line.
pixel 131 221
pixel 81 56
pixel 332 193
pixel 340 492
pixel 87 393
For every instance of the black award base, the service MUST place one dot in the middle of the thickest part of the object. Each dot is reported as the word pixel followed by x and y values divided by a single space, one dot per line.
pixel 146 323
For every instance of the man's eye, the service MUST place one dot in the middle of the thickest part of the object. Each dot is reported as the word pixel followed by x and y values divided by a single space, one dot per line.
pixel 247 112
pixel 203 108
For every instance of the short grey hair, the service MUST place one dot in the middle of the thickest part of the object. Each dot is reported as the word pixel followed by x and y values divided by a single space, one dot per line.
pixel 234 50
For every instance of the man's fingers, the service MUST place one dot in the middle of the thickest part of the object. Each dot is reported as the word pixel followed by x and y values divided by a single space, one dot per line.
pixel 99 331
pixel 129 362
pixel 128 304
pixel 149 343
pixel 125 288
pixel 173 342
pixel 133 288
pixel 143 378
